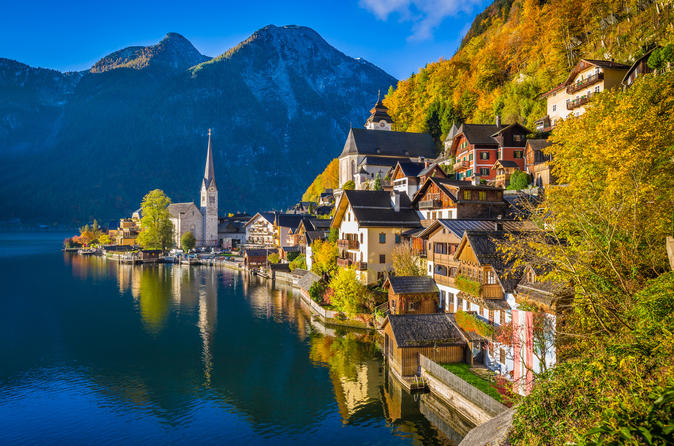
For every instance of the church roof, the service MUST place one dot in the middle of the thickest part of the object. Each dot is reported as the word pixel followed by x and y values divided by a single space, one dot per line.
pixel 209 171
pixel 379 113
pixel 388 143
pixel 175 209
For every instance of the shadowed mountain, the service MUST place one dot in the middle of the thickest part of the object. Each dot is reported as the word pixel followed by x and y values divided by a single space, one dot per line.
pixel 76 146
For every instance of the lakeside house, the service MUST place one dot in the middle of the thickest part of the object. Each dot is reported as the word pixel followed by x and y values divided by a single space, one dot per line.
pixel 260 229
pixel 435 336
pixel 587 78
pixel 411 295
pixel 370 225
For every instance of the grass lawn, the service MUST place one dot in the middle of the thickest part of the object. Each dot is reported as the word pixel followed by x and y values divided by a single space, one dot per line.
pixel 463 371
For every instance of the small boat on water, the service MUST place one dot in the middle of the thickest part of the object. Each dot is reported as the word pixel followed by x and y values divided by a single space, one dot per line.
pixel 86 252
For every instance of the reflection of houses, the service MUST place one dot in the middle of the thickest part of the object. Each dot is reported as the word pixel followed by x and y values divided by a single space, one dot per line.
pixel 435 336
pixel 370 225
pixel 411 295
pixel 354 394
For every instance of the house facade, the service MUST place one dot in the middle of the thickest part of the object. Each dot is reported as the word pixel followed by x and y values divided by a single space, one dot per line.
pixel 538 162
pixel 587 78
pixel 260 229
pixel 370 225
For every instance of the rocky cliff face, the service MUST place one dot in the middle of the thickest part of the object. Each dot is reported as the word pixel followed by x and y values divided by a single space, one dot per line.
pixel 81 145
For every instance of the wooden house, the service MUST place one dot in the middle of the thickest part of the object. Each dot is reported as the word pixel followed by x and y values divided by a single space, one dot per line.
pixel 504 170
pixel 150 255
pixel 255 257
pixel 444 198
pixel 638 68
pixel 435 336
pixel 408 176
pixel 537 163
pixel 412 295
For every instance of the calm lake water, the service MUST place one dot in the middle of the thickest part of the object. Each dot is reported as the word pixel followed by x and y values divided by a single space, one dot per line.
pixel 93 352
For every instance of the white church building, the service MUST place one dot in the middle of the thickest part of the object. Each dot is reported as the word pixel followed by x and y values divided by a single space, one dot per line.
pixel 201 221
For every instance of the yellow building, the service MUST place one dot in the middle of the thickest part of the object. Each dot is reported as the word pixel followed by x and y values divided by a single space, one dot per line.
pixel 370 226
pixel 587 78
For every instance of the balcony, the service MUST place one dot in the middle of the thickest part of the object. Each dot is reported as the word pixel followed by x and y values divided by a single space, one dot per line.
pixel 430 204
pixel 361 266
pixel 544 124
pixel 460 165
pixel 443 280
pixel 344 263
pixel 477 289
pixel 575 103
pixel 577 86
pixel 347 244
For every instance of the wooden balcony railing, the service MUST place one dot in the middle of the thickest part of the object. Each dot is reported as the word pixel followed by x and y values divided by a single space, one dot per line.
pixel 443 280
pixel 575 103
pixel 459 165
pixel 591 80
pixel 347 244
pixel 344 263
pixel 430 204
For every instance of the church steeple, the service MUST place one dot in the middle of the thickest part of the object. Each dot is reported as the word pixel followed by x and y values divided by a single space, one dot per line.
pixel 379 118
pixel 209 171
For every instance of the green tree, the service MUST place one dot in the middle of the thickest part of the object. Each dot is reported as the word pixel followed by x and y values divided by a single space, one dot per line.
pixel 104 239
pixel 187 241
pixel 349 292
pixel 156 227
pixel 518 180
pixel 273 258
pixel 377 183
pixel 298 262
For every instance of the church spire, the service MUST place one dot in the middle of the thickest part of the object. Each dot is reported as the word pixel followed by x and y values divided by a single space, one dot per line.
pixel 379 118
pixel 209 171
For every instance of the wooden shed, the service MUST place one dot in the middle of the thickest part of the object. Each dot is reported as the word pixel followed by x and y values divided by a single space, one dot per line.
pixel 412 295
pixel 435 336
pixel 255 257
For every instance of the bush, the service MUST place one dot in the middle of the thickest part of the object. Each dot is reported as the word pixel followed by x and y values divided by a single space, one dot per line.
pixel 298 262
pixel 292 256
pixel 273 258
pixel 316 291
pixel 349 185
pixel 350 294
pixel 469 322
pixel 518 180
pixel 467 285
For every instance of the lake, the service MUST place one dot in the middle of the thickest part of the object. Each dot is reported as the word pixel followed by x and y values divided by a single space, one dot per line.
pixel 94 352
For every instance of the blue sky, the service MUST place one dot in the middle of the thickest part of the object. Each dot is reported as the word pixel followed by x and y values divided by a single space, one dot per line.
pixel 399 36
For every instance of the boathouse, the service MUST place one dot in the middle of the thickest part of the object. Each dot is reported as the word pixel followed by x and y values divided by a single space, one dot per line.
pixel 435 336
pixel 255 257
pixel 412 295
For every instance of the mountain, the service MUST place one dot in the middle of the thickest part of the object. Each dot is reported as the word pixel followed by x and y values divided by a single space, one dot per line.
pixel 518 49
pixel 77 146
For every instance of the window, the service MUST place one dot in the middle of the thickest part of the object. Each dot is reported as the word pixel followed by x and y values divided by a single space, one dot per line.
pixel 382 258
pixel 491 315
pixel 382 237
pixel 596 89
pixel 483 195
pixel 470 157
pixel 459 303
pixel 491 278
pixel 554 107
pixel 484 171
pixel 501 356
pixel 413 306
pixel 466 195
pixel 361 237
pixel 518 154
pixel 484 155
pixel 397 238
pixel 517 138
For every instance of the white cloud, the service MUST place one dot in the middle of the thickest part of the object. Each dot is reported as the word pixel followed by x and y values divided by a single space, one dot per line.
pixel 425 15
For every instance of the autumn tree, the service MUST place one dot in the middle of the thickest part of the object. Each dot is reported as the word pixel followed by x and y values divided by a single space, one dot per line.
pixel 405 263
pixel 324 257
pixel 349 293
pixel 156 227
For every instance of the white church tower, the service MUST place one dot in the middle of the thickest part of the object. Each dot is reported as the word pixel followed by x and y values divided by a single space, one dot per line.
pixel 209 200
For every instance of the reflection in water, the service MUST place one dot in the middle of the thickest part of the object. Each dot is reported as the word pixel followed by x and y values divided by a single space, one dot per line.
pixel 210 353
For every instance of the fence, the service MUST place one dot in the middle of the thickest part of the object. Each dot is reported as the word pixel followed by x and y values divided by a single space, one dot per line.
pixel 460 386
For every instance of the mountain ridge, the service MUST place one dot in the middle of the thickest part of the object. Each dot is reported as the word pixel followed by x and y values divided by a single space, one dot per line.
pixel 279 106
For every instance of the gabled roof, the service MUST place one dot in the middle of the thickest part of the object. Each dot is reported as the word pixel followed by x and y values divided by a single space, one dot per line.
pixel 484 245
pixel 513 126
pixel 459 226
pixel 374 209
pixel 430 168
pixel 480 134
pixel 584 63
pixel 379 142
pixel 175 209
pixel 646 55
pixel 538 144
pixel 269 216
pixel 411 284
pixel 506 163
pixel 451 187
pixel 288 220
pixel 381 161
pixel 409 168
pixel 379 113
pixel 422 330
pixel 452 132
pixel 316 235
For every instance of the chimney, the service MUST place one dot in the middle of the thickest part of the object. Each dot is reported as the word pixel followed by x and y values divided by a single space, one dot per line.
pixel 498 120
pixel 395 201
